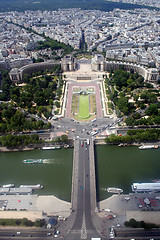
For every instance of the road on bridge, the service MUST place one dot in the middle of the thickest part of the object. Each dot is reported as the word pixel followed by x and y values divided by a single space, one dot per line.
pixel 83 227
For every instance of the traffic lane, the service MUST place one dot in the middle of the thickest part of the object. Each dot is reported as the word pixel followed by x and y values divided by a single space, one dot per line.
pixel 87 183
pixel 87 206
pixel 89 223
pixel 84 173
pixel 25 233
pixel 137 238
pixel 138 233
pixel 79 213
pixel 25 237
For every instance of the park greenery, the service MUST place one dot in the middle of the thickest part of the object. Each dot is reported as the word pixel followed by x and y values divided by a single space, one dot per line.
pixel 22 222
pixel 15 120
pixel 63 139
pixel 54 46
pixel 12 141
pixel 83 106
pixel 36 96
pixel 140 224
pixel 150 116
pixel 133 98
pixel 126 80
pixel 135 136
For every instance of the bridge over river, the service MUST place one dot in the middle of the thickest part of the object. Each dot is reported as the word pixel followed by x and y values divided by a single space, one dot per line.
pixel 84 206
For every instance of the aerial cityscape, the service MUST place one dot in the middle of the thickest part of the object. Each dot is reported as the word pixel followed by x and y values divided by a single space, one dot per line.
pixel 80 121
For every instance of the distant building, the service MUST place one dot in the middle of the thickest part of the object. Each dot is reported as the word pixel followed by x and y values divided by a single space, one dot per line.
pixel 100 64
pixel 14 75
pixel 17 74
pixel 68 63
pixel 4 52
pixel 146 187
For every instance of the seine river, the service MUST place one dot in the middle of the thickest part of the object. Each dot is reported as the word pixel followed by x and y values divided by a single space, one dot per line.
pixel 115 167
pixel 122 166
pixel 55 174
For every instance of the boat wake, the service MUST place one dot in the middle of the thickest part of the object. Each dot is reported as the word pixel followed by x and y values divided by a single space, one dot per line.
pixel 47 160
pixel 40 161
pixel 37 161
pixel 103 189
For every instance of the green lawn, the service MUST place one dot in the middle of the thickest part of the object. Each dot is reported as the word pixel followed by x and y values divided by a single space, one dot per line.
pixel 83 106
pixel 75 99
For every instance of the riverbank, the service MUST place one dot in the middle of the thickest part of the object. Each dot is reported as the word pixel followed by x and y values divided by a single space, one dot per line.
pixel 101 141
pixel 34 207
pixel 120 208
pixel 5 149
pixel 97 142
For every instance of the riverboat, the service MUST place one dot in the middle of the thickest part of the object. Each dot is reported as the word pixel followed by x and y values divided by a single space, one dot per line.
pixel 51 148
pixel 114 190
pixel 33 161
pixel 8 186
pixel 121 145
pixel 156 180
pixel 148 147
pixel 67 146
pixel 36 186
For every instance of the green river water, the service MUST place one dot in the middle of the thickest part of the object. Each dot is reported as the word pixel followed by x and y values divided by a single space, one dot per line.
pixel 55 174
pixel 122 166
pixel 115 167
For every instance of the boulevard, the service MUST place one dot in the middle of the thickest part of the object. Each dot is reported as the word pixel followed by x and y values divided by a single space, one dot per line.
pixel 23 233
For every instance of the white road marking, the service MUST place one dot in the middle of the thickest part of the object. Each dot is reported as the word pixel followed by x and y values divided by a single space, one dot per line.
pixel 83 230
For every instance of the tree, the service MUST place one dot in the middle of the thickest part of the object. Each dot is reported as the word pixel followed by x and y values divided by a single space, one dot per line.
pixel 41 109
pixel 53 85
pixel 39 60
pixel 135 97
pixel 9 112
pixel 129 121
pixel 17 222
pixel 64 138
pixel 57 104
pixel 40 100
pixel 48 78
pixel 48 93
pixel 157 120
pixel 59 92
pixel 15 90
pixel 137 115
pixel 152 110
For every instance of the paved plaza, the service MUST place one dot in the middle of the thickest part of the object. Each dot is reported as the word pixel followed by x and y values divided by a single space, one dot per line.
pixel 32 206
pixel 85 86
pixel 140 206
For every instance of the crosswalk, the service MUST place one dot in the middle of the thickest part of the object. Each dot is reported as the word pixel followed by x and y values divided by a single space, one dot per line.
pixel 78 232
pixel 83 232
pixel 83 229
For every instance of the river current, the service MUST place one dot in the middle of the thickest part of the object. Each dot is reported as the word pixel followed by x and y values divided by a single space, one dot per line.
pixel 122 166
pixel 115 167
pixel 55 174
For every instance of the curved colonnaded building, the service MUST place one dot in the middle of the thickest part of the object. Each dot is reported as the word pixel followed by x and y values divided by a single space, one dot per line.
pixel 98 63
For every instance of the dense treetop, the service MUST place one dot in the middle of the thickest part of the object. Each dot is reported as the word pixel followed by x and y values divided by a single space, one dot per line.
pixel 35 97
pixel 133 98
